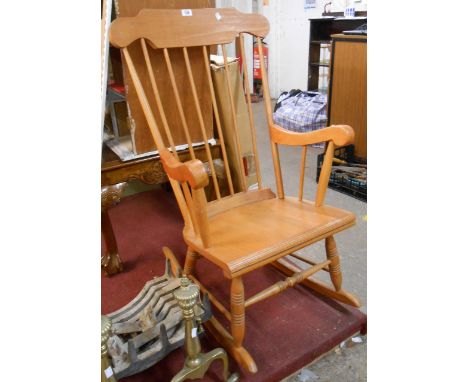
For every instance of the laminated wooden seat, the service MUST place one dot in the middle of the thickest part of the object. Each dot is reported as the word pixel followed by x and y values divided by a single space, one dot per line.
pixel 268 228
pixel 246 229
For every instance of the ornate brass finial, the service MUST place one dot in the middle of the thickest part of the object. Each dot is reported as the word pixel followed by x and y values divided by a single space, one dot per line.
pixel 196 363
pixel 187 296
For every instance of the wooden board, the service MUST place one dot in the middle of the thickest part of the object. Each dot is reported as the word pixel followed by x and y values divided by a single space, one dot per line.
pixel 225 113
pixel 143 140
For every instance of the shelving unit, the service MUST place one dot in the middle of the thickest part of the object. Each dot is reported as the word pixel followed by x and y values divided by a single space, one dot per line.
pixel 321 30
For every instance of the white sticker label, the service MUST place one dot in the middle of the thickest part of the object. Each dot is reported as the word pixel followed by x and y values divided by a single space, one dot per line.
pixel 186 12
pixel 218 16
pixel 108 372
pixel 194 332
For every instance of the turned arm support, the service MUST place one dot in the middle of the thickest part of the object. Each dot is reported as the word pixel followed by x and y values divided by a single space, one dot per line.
pixel 340 135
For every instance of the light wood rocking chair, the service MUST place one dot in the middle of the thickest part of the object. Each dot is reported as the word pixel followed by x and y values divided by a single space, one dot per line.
pixel 247 229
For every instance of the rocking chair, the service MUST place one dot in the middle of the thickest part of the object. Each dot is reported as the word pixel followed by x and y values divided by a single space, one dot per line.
pixel 247 229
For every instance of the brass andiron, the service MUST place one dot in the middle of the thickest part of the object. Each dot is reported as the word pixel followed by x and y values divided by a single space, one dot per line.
pixel 107 374
pixel 196 363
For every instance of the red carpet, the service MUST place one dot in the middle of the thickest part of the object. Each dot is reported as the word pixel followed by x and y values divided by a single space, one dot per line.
pixel 283 333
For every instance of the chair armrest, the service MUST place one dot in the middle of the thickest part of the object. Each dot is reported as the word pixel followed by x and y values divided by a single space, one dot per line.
pixel 340 135
pixel 191 171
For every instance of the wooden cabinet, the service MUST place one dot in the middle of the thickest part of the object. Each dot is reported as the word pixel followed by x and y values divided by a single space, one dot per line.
pixel 347 96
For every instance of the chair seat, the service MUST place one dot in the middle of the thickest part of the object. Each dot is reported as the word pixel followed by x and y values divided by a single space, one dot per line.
pixel 252 235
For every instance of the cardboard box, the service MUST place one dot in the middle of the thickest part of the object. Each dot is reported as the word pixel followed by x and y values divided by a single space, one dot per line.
pixel 228 128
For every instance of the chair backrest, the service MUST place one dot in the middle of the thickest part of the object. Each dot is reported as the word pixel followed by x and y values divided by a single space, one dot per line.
pixel 165 33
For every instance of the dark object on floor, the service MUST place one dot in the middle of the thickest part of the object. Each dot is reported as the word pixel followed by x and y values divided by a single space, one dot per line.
pixel 348 175
pixel 281 344
pixel 254 98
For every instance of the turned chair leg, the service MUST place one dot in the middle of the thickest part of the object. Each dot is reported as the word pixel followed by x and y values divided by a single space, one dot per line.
pixel 232 342
pixel 335 268
pixel 190 260
pixel 237 311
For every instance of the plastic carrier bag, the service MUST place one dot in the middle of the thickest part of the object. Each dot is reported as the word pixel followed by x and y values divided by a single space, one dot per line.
pixel 301 111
